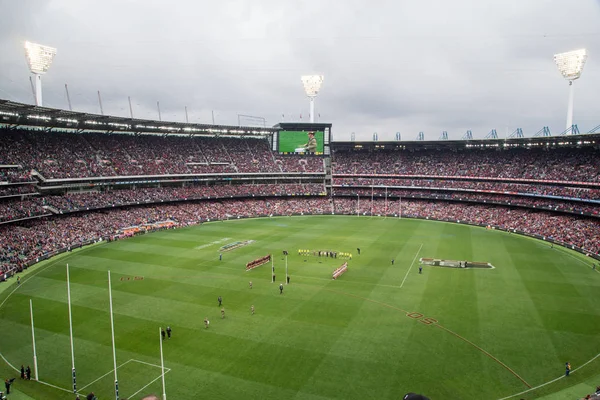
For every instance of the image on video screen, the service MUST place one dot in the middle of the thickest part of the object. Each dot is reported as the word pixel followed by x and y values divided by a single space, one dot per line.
pixel 301 142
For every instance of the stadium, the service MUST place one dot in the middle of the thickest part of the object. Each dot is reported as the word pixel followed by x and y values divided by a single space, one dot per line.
pixel 147 257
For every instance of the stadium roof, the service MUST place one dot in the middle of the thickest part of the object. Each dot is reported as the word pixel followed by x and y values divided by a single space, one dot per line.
pixel 19 114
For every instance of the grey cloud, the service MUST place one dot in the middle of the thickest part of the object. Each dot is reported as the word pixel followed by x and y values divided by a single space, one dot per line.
pixel 389 66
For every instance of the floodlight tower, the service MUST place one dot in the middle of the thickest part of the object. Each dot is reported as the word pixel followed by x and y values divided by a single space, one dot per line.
pixel 570 65
pixel 39 59
pixel 312 84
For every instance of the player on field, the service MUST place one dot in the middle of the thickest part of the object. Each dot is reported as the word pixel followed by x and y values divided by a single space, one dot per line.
pixel 169 332
pixel 252 309
pixel 220 300
pixel 250 284
pixel 162 333
pixel 420 269
pixel 206 322
pixel 281 288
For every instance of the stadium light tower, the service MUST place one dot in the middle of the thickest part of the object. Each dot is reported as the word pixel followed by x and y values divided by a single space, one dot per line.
pixel 570 65
pixel 312 84
pixel 39 59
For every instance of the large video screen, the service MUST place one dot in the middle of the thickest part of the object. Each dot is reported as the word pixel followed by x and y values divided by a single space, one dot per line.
pixel 301 142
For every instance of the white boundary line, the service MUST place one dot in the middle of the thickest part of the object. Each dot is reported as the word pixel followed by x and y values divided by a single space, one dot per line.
pixel 552 381
pixel 14 290
pixel 411 264
pixel 577 258
pixel 12 366
pixel 109 372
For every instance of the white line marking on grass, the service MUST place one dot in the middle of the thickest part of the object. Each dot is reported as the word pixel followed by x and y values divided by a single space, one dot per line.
pixel 552 381
pixel 160 376
pixel 411 264
pixel 152 365
pixel 12 366
pixel 577 258
pixel 233 269
pixel 346 281
pixel 56 387
pixel 25 280
pixel 109 372
pixel 203 246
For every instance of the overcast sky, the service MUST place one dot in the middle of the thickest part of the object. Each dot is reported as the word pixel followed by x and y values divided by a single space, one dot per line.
pixel 389 65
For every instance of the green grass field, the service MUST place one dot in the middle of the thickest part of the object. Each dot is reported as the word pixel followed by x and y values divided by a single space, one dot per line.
pixel 364 336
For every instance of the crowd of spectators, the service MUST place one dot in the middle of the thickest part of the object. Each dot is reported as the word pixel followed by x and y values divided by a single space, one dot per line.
pixel 31 239
pixel 16 190
pixel 556 205
pixel 505 187
pixel 11 174
pixel 60 155
pixel 72 202
pixel 32 206
pixel 562 164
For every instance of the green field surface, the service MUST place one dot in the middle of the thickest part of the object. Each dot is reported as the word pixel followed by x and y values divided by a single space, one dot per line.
pixel 377 332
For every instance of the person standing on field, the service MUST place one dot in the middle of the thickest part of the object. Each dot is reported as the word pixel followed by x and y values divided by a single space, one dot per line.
pixel 281 288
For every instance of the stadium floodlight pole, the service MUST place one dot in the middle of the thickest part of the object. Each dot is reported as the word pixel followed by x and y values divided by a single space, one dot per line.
pixel 570 65
pixel 312 85
pixel 35 364
pixel 158 107
pixel 162 363
pixel 68 97
pixel 186 116
pixel 112 330
pixel 130 108
pixel 32 89
pixel 100 102
pixel 39 59
pixel 71 331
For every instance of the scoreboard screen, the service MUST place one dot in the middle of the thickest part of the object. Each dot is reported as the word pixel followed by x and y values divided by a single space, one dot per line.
pixel 297 142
